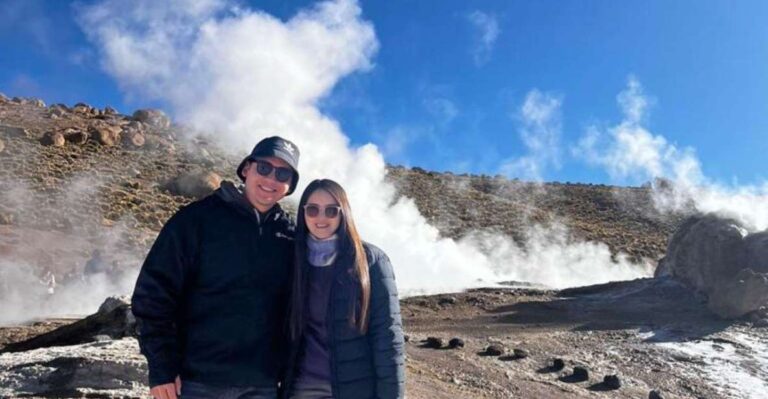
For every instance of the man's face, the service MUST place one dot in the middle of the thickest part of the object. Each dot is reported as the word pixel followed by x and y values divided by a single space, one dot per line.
pixel 263 192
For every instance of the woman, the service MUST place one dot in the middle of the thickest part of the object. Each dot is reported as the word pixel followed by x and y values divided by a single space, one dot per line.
pixel 345 316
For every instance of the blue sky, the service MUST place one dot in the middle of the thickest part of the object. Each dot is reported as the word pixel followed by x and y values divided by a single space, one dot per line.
pixel 450 78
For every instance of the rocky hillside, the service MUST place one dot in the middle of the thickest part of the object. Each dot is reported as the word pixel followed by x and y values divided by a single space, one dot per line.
pixel 74 179
pixel 622 217
pixel 100 175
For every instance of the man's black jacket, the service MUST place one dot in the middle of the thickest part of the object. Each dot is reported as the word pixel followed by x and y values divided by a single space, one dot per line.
pixel 212 295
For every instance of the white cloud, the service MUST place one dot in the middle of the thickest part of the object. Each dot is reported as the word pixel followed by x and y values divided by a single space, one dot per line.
pixel 629 151
pixel 487 31
pixel 540 133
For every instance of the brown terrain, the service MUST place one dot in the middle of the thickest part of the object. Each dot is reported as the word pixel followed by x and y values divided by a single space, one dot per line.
pixel 75 179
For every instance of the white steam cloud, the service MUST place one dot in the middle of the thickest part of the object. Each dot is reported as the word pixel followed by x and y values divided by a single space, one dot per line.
pixel 245 75
pixel 487 31
pixel 630 151
pixel 42 273
pixel 540 133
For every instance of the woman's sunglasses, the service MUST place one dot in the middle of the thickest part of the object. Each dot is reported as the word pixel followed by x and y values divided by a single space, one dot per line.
pixel 265 168
pixel 331 211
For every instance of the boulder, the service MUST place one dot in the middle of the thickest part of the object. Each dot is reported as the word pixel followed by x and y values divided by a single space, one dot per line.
pixel 110 111
pixel 196 184
pixel 557 364
pixel 55 139
pixel 75 136
pixel 520 353
pixel 494 350
pixel 82 108
pixel 434 342
pixel 134 140
pixel 745 293
pixel 445 301
pixel 756 252
pixel 102 369
pixel 57 111
pixel 580 373
pixel 4 98
pixel 106 135
pixel 612 382
pixel 715 256
pixel 113 319
pixel 152 117
pixel 133 135
pixel 704 251
pixel 455 343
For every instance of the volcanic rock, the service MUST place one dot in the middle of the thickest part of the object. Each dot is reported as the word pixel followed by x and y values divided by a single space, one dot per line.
pixel 715 256
pixel 57 111
pixel 612 382
pixel 55 139
pixel 654 394
pixel 75 136
pixel 107 135
pixel 704 251
pixel 107 369
pixel 756 252
pixel 580 373
pixel 196 184
pixel 745 293
pixel 520 353
pixel 557 364
pixel 456 343
pixel 82 108
pixel 133 138
pixel 152 117
pixel 494 350
pixel 114 319
pixel 447 301
pixel 434 342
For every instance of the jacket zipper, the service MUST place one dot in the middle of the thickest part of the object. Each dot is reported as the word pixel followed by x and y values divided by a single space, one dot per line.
pixel 258 219
pixel 266 217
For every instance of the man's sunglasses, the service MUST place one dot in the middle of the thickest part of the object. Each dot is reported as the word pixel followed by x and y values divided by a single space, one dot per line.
pixel 331 211
pixel 265 168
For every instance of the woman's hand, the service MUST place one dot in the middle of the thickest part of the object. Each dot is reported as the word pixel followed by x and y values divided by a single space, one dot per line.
pixel 167 391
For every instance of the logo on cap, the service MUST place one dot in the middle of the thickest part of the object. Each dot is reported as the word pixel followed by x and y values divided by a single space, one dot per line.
pixel 288 147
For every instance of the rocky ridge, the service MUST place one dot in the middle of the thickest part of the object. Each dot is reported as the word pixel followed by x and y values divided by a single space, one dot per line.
pixel 94 173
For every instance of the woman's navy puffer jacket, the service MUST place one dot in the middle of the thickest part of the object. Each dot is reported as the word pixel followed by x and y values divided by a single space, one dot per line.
pixel 370 365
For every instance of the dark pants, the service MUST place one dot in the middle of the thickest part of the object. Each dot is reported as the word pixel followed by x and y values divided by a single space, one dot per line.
pixel 196 390
pixel 311 390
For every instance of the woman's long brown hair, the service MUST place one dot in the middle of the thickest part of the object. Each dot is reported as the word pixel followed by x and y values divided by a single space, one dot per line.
pixel 349 243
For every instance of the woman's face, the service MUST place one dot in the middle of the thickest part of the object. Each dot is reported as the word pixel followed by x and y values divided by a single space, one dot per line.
pixel 319 214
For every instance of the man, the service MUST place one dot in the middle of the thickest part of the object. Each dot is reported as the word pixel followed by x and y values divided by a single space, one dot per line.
pixel 212 295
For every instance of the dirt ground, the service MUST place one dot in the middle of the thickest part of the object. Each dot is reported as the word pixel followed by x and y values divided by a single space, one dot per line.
pixel 611 329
